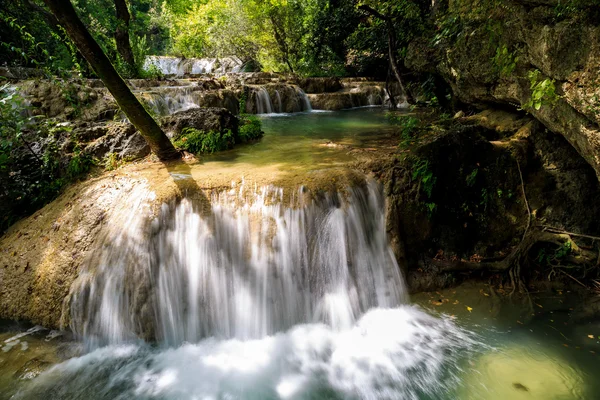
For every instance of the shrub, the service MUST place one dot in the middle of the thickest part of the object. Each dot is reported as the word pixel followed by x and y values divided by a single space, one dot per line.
pixel 196 141
pixel 543 91
pixel 250 128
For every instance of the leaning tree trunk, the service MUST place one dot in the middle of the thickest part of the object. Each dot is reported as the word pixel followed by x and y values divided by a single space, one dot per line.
pixel 89 48
pixel 122 35
pixel 391 48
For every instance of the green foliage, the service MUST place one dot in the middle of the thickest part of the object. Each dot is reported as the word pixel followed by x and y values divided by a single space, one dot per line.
pixel 79 164
pixel 198 142
pixel 250 128
pixel 504 61
pixel 547 256
pixel 409 127
pixel 243 100
pixel 472 177
pixel 422 173
pixel 25 47
pixel 543 91
pixel 30 178
pixel 111 162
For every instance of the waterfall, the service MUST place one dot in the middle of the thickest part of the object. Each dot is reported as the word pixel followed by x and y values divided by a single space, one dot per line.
pixel 305 102
pixel 170 100
pixel 278 97
pixel 252 296
pixel 263 101
pixel 185 66
pixel 250 268
pixel 203 66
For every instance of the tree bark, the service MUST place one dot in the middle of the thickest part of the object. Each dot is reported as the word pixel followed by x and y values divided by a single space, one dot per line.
pixel 159 142
pixel 122 35
pixel 391 46
pixel 281 41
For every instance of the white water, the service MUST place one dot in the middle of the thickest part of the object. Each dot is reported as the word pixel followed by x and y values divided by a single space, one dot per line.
pixel 304 100
pixel 251 268
pixel 253 299
pixel 263 101
pixel 184 66
pixel 295 98
pixel 393 354
pixel 171 101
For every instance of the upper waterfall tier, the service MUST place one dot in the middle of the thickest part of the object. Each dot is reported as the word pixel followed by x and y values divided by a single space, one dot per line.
pixel 176 66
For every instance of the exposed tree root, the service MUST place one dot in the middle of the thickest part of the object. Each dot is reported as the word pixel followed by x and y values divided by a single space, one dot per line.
pixel 532 235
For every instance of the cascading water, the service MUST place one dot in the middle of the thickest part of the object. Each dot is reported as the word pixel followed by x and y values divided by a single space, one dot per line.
pixel 287 98
pixel 243 272
pixel 253 299
pixel 263 101
pixel 304 101
pixel 185 66
pixel 279 105
pixel 171 100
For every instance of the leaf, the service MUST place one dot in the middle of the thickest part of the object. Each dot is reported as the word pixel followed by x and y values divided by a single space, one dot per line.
pixel 469 309
pixel 591 336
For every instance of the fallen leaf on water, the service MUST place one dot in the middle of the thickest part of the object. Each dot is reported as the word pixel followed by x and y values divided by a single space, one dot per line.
pixel 566 345
pixel 591 336
pixel 539 305
pixel 519 322
pixel 436 303
pixel 455 302
pixel 469 309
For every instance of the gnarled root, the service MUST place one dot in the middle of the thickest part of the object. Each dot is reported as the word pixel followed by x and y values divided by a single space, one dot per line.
pixel 518 257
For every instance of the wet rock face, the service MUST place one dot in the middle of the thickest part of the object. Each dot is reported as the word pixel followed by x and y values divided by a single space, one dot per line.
pixel 203 119
pixel 566 51
pixel 120 138
pixel 320 85
pixel 479 210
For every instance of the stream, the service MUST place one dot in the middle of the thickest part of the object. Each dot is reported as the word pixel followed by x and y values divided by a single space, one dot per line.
pixel 276 294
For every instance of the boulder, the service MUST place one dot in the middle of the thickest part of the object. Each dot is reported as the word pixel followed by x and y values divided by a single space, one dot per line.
pixel 122 139
pixel 203 119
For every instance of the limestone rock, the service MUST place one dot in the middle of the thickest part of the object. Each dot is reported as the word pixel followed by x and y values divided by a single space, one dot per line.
pixel 203 119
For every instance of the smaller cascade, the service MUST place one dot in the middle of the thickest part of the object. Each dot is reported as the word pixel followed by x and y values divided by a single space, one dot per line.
pixel 203 66
pixel 279 105
pixel 168 102
pixel 304 101
pixel 263 101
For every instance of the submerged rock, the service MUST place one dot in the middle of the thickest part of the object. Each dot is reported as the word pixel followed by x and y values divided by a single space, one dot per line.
pixel 32 369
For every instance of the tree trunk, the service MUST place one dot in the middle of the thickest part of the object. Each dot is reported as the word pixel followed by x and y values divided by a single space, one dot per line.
pixel 122 35
pixel 281 41
pixel 159 142
pixel 391 46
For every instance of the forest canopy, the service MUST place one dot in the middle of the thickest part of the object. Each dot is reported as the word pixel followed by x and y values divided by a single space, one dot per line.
pixel 308 37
